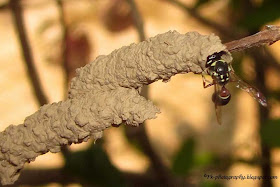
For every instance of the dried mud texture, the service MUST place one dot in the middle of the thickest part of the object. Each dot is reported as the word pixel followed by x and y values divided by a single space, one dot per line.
pixel 104 93
pixel 157 58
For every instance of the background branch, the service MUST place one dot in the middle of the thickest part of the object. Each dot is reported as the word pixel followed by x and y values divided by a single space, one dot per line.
pixel 260 69
pixel 26 52
pixel 270 35
pixel 137 19
pixel 36 177
pixel 60 6
pixel 161 171
pixel 64 149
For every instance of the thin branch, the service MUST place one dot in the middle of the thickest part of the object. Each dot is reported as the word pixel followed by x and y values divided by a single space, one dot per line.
pixel 64 38
pixel 138 21
pixel 26 52
pixel 38 177
pixel 270 35
pixel 64 150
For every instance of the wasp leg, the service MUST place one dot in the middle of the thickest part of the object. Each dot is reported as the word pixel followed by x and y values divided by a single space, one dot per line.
pixel 205 81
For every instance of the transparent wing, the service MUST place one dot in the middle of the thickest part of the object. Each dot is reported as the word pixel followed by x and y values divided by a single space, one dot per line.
pixel 254 92
pixel 218 108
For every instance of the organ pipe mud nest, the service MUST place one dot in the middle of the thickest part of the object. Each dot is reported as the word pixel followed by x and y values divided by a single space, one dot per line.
pixel 106 93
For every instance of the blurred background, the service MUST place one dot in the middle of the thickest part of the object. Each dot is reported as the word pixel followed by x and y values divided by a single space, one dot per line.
pixel 42 42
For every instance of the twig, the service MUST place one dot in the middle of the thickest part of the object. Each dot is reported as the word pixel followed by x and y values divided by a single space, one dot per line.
pixel 26 52
pixel 137 18
pixel 64 38
pixel 270 35
pixel 64 150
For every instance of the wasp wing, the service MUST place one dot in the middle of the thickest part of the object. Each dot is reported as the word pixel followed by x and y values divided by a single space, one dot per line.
pixel 218 108
pixel 254 92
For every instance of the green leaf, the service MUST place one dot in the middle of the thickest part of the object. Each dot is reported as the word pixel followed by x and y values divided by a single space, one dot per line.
pixel 210 184
pixel 204 159
pixel 269 11
pixel 184 159
pixel 274 95
pixel 94 167
pixel 270 133
pixel 235 4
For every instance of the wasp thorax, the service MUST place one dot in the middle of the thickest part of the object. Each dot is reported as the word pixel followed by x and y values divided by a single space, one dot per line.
pixel 219 70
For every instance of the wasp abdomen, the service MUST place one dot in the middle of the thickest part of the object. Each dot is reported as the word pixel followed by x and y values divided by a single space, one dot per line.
pixel 222 98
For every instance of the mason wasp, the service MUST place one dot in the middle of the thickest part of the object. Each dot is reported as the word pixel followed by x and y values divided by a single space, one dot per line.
pixel 222 73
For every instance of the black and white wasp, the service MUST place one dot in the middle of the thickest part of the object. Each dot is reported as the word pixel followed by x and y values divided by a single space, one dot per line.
pixel 223 73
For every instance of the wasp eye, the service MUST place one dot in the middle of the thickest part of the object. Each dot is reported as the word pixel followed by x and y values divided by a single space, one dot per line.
pixel 212 57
